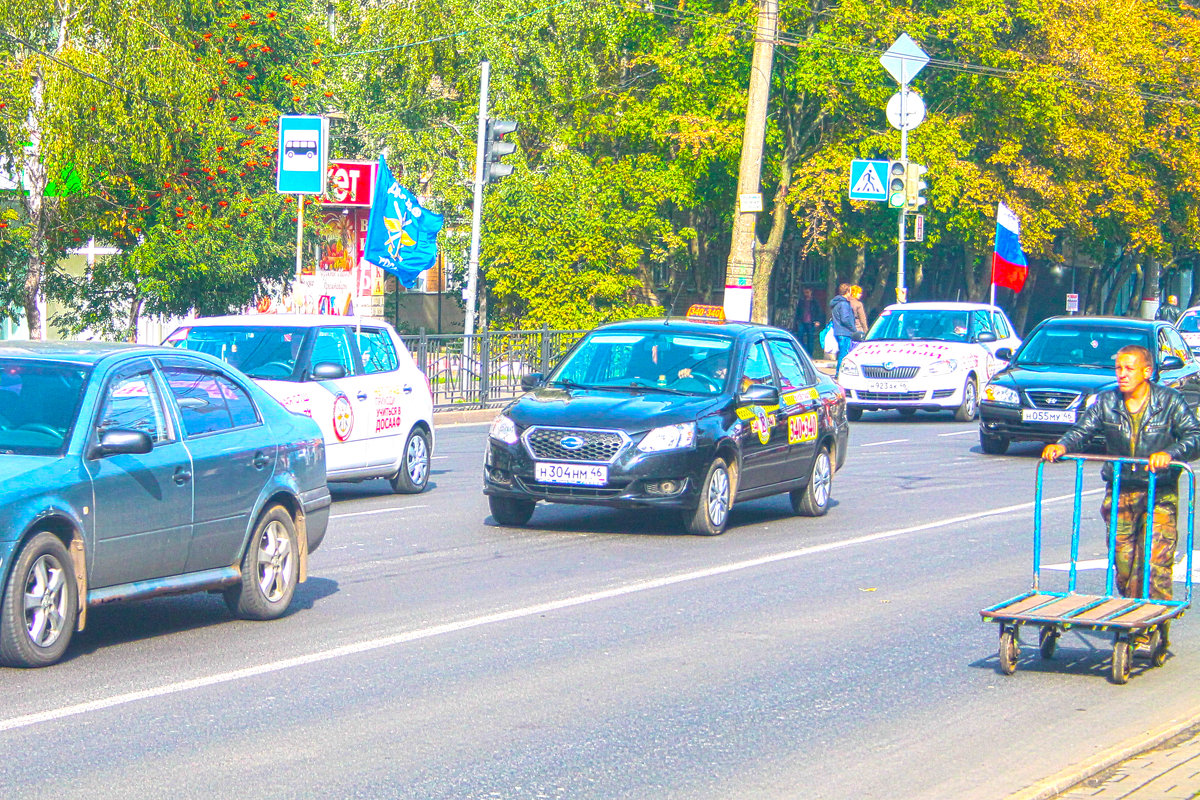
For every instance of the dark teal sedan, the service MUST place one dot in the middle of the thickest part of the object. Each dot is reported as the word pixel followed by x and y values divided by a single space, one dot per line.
pixel 128 472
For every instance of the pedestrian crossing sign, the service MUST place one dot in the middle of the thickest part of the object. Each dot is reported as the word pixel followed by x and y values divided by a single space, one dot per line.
pixel 868 180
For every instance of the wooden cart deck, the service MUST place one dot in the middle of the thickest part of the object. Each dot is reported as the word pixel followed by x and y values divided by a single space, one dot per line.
pixel 1083 610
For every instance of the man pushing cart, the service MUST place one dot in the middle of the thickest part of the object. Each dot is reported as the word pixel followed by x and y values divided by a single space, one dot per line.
pixel 1148 431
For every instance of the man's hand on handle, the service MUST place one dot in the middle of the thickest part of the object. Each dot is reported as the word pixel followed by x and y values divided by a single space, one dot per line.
pixel 1053 452
pixel 1159 461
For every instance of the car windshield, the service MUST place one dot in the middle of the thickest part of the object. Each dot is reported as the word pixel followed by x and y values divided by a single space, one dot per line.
pixel 264 352
pixel 1069 346
pixel 1190 323
pixel 911 324
pixel 662 360
pixel 38 406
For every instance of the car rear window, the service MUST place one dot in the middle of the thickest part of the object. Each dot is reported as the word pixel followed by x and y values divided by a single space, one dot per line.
pixel 262 352
pixel 39 403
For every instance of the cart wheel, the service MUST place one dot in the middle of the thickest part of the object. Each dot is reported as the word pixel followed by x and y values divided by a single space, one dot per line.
pixel 1122 660
pixel 1010 651
pixel 1158 656
pixel 1048 641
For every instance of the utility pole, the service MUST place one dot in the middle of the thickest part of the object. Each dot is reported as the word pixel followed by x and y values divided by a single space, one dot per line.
pixel 739 270
pixel 477 206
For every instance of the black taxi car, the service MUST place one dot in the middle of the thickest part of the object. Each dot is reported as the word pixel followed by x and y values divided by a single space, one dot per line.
pixel 691 414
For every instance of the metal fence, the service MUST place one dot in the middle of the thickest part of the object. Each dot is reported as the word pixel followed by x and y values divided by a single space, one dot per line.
pixel 485 369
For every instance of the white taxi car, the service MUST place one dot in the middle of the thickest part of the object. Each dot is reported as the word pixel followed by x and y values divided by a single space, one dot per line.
pixel 927 357
pixel 1188 326
pixel 352 375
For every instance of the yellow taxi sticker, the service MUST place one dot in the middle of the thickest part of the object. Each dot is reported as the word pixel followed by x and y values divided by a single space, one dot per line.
pixel 802 428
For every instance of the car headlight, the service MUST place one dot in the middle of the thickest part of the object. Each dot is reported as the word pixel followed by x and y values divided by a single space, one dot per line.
pixel 1001 394
pixel 942 367
pixel 849 367
pixel 669 437
pixel 504 430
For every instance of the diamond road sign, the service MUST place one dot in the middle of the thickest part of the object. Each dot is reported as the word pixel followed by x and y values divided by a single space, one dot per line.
pixel 904 59
pixel 303 155
pixel 868 180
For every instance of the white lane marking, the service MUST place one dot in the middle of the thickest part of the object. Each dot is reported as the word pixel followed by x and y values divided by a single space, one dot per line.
pixel 369 645
pixel 889 441
pixel 957 433
pixel 438 458
pixel 1179 574
pixel 374 511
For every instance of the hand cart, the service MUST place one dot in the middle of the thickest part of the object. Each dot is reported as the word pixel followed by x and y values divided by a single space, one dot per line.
pixel 1125 617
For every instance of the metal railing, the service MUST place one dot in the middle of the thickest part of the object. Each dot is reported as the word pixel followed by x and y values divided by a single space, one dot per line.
pixel 485 369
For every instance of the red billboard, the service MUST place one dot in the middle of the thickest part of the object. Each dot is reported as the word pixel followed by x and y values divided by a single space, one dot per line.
pixel 351 183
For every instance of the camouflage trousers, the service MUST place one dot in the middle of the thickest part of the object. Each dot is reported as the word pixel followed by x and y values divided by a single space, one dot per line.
pixel 1130 547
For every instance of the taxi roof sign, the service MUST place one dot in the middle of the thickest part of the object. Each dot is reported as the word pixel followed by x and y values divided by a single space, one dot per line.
pixel 703 313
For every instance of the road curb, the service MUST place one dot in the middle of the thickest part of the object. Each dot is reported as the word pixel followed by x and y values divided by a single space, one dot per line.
pixel 1060 782
pixel 441 418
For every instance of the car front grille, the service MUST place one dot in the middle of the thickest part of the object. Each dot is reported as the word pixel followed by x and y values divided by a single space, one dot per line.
pixel 1052 398
pixel 598 446
pixel 893 373
pixel 887 397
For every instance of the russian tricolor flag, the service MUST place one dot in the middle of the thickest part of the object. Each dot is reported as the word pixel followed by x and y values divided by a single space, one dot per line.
pixel 1009 267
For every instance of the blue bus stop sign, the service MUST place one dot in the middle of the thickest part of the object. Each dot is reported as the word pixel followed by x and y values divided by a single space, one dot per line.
pixel 303 155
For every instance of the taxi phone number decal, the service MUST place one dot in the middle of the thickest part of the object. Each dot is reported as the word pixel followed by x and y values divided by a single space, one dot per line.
pixel 802 428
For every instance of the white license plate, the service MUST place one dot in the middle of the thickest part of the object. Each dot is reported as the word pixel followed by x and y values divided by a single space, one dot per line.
pixel 572 474
pixel 888 386
pixel 1041 415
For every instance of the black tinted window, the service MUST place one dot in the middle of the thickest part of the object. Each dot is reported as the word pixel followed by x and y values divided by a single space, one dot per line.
pixel 208 402
pixel 132 402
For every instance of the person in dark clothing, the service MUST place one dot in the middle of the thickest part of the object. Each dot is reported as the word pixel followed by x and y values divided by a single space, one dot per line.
pixel 1169 310
pixel 1139 419
pixel 809 320
pixel 842 316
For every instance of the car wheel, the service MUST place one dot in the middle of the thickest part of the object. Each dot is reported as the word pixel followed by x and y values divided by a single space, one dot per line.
pixel 40 605
pixel 993 445
pixel 270 568
pixel 511 510
pixel 716 498
pixel 854 414
pixel 969 406
pixel 413 476
pixel 813 500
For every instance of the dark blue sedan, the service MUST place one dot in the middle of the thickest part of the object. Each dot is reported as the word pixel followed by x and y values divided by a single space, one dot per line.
pixel 128 472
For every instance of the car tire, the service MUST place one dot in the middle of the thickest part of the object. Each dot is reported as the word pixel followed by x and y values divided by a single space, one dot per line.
pixel 413 476
pixel 511 511
pixel 270 568
pixel 40 604
pixel 993 445
pixel 814 499
pixel 854 414
pixel 968 409
pixel 716 499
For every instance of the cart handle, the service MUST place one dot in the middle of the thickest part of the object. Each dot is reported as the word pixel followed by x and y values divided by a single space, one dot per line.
pixel 1123 460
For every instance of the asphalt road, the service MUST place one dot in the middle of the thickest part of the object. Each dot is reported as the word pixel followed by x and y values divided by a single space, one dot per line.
pixel 602 654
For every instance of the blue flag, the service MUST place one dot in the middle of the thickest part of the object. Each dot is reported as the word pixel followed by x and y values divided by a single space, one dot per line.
pixel 401 236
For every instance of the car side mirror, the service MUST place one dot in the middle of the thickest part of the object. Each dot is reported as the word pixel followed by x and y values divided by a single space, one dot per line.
pixel 121 441
pixel 328 371
pixel 985 336
pixel 759 395
pixel 1004 354
pixel 531 382
pixel 1170 363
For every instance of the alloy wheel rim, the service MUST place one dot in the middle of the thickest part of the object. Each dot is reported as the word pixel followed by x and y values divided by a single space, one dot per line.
pixel 274 562
pixel 822 479
pixel 45 601
pixel 418 462
pixel 971 401
pixel 718 497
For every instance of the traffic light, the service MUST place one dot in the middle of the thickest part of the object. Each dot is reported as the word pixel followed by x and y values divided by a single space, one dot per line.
pixel 897 184
pixel 496 148
pixel 914 186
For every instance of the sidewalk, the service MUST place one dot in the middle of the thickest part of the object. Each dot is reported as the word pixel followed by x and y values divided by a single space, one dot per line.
pixel 1169 772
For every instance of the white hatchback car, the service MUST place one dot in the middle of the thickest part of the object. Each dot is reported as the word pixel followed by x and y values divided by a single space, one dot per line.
pixel 1188 326
pixel 927 357
pixel 353 376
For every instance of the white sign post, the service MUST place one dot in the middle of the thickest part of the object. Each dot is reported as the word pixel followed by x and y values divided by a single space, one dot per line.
pixel 903 60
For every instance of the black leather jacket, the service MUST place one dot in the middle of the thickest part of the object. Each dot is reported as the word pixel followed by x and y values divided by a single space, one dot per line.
pixel 1168 426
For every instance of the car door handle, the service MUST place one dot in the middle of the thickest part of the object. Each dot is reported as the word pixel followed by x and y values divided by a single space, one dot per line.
pixel 260 460
pixel 182 475
pixel 408 390
pixel 362 395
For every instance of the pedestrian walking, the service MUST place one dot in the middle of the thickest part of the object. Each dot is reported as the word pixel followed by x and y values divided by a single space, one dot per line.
pixel 1169 310
pixel 841 314
pixel 809 320
pixel 1143 420
pixel 860 312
